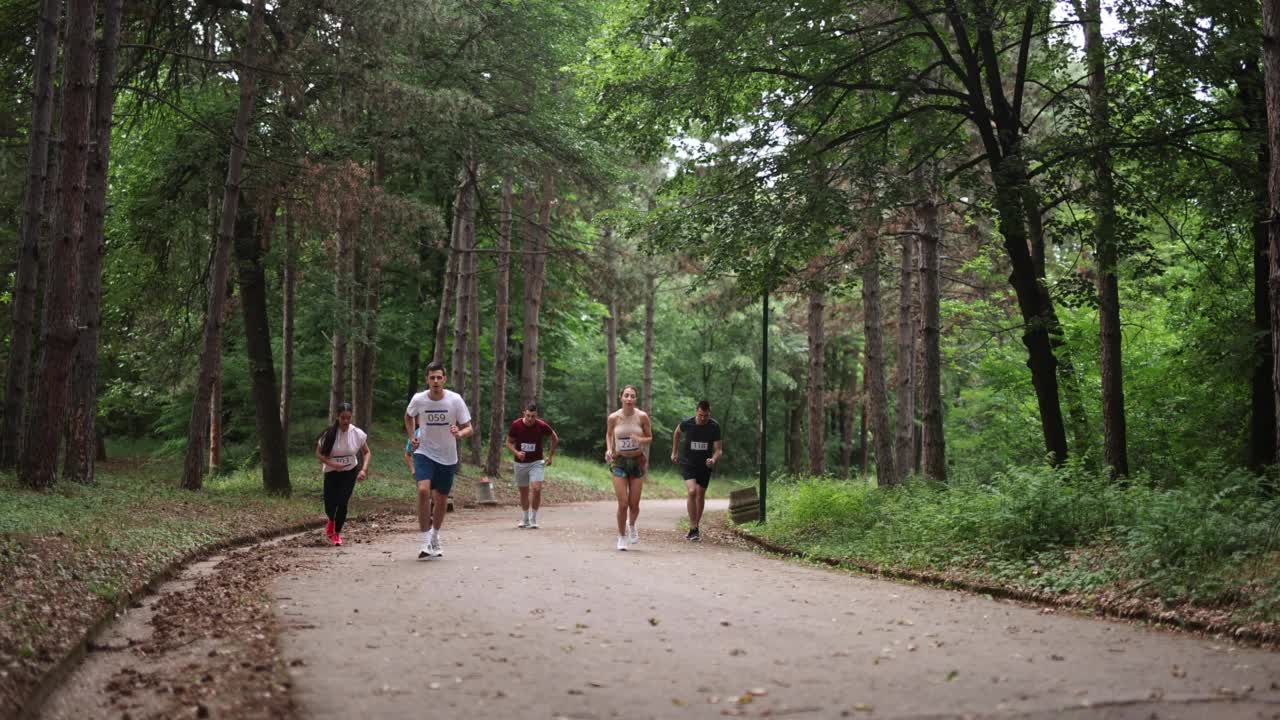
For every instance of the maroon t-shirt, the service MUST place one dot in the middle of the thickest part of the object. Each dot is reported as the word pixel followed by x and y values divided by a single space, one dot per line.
pixel 528 438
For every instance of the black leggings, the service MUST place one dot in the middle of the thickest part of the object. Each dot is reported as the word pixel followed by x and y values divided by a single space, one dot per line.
pixel 338 487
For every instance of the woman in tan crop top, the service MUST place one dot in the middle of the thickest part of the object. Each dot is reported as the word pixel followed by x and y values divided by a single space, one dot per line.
pixel 627 439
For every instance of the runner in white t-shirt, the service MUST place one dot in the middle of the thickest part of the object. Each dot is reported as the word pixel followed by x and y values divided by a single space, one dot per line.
pixel 344 450
pixel 441 419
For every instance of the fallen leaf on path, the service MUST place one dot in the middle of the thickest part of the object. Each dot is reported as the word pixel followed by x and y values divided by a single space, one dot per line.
pixel 654 621
pixel 953 675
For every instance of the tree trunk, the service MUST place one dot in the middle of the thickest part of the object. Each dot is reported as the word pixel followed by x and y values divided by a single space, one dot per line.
pixel 904 399
pixel 59 332
pixel 215 395
pixel 1115 448
pixel 817 387
pixel 289 290
pixel 863 439
pixel 81 452
pixel 466 275
pixel 877 397
pixel 933 463
pixel 215 420
pixel 501 302
pixel 473 343
pixel 535 268
pixel 369 358
pixel 540 376
pixel 356 311
pixel 211 346
pixel 257 334
pixel 1040 322
pixel 610 328
pixel 342 282
pixel 28 265
pixel 848 393
pixel 650 301
pixel 1262 416
pixel 1271 74
pixel 795 429
pixel 447 293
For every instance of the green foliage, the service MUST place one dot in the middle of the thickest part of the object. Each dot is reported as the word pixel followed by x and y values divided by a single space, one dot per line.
pixel 1067 530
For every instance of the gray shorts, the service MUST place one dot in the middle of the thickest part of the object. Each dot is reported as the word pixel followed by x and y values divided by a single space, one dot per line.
pixel 529 472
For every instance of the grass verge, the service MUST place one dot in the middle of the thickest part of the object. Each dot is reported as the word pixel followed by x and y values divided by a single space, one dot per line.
pixel 1204 554
pixel 70 554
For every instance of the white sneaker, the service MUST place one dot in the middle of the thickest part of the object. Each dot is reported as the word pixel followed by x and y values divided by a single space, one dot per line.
pixel 524 521
pixel 424 551
pixel 633 534
pixel 622 542
pixel 435 545
pixel 533 519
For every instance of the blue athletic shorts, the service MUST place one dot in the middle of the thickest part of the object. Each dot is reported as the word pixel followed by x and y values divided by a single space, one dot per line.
pixel 439 474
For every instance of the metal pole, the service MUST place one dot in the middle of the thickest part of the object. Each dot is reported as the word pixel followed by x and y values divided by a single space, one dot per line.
pixel 764 405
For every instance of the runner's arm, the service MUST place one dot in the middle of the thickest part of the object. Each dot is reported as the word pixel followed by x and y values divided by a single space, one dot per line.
pixel 646 427
pixel 409 422
pixel 675 444
pixel 551 451
pixel 324 459
pixel 364 466
pixel 511 445
pixel 465 429
pixel 608 439
pixel 719 450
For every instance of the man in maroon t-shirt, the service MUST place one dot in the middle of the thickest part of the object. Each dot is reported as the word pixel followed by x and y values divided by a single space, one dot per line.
pixel 524 440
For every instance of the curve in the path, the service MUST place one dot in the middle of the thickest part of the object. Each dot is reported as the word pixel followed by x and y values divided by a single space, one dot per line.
pixel 555 622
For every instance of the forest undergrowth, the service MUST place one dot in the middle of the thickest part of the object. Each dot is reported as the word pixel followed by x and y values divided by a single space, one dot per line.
pixel 1204 550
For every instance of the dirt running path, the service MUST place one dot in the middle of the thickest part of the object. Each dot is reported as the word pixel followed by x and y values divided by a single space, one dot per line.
pixel 556 623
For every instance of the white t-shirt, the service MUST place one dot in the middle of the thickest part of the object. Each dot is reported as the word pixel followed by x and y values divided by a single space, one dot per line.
pixel 346 448
pixel 434 418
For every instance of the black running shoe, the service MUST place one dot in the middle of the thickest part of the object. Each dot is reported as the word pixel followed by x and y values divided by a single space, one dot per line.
pixel 694 535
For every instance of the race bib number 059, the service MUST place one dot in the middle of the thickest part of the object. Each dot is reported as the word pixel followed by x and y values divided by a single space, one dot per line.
pixel 628 443
pixel 698 446
pixel 435 418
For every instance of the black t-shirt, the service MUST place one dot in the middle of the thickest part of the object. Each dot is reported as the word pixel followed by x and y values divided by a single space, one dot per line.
pixel 698 441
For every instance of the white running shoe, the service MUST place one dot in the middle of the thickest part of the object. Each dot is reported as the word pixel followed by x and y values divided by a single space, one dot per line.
pixel 435 545
pixel 533 519
pixel 622 542
pixel 524 520
pixel 632 534
pixel 424 551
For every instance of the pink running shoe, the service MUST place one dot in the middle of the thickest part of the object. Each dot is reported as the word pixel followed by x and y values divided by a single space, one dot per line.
pixel 328 530
pixel 337 539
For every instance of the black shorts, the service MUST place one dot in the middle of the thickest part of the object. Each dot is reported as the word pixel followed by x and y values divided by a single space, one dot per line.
pixel 698 474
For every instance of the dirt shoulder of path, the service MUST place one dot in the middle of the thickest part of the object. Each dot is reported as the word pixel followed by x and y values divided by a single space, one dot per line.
pixel 61 597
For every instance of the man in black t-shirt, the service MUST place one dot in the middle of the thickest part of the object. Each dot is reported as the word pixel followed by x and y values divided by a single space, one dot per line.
pixel 696 446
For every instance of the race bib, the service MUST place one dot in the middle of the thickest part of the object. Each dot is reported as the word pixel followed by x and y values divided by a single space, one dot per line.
pixel 698 446
pixel 628 443
pixel 438 417
pixel 346 461
pixel 528 447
